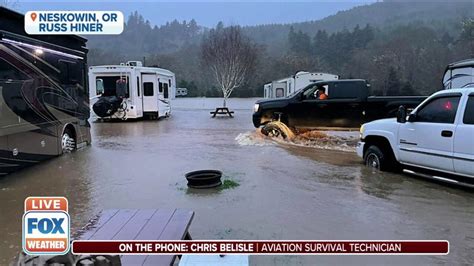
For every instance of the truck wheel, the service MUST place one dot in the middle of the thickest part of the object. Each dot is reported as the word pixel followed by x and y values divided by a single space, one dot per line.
pixel 68 143
pixel 375 158
pixel 277 129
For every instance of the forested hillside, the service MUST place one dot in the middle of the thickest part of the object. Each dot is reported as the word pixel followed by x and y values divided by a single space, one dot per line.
pixel 400 47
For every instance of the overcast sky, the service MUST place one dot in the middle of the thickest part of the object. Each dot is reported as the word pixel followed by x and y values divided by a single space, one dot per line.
pixel 206 13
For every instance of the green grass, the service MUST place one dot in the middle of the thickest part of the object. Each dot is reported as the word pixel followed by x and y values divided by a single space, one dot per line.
pixel 229 184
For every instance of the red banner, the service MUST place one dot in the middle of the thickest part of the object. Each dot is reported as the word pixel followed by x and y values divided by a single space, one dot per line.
pixel 260 247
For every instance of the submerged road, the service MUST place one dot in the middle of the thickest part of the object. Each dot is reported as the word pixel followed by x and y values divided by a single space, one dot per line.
pixel 286 191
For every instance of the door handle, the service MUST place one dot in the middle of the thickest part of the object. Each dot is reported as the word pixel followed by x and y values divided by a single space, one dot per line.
pixel 446 133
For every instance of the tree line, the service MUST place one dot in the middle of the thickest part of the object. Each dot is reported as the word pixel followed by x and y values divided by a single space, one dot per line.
pixel 400 59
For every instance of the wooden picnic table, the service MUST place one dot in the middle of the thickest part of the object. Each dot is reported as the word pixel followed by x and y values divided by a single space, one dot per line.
pixel 141 224
pixel 222 111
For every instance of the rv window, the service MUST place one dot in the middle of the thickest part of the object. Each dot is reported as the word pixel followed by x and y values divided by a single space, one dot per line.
pixel 166 91
pixel 71 73
pixel 169 82
pixel 99 86
pixel 147 88
pixel 279 92
pixel 138 86
pixel 8 72
pixel 110 85
pixel 63 71
pixel 75 73
pixel 160 87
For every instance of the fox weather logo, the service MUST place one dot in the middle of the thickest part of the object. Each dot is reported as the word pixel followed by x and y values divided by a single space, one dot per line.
pixel 46 226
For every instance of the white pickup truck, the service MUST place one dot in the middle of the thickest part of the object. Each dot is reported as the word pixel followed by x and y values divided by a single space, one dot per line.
pixel 435 140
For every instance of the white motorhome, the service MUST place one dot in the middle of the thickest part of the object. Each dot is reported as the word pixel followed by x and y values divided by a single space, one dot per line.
pixel 131 91
pixel 286 86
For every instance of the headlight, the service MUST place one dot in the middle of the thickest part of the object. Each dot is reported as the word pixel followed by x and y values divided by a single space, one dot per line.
pixel 255 107
pixel 361 131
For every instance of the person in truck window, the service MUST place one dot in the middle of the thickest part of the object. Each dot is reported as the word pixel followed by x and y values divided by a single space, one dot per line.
pixel 322 93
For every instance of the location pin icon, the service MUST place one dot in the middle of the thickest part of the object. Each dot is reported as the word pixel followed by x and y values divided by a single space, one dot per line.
pixel 33 16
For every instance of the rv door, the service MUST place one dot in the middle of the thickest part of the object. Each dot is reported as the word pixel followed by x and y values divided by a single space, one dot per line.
pixel 164 95
pixel 150 93
pixel 139 96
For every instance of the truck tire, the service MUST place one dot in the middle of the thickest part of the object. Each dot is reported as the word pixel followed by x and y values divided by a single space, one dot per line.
pixel 204 178
pixel 277 129
pixel 375 158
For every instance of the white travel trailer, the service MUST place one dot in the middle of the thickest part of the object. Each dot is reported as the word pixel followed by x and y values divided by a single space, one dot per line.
pixel 181 92
pixel 459 74
pixel 131 91
pixel 284 87
pixel 267 90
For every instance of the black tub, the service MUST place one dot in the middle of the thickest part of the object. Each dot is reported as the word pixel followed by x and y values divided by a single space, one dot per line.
pixel 204 178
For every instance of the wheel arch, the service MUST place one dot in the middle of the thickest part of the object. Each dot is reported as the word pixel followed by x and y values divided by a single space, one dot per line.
pixel 380 141
pixel 272 115
pixel 71 127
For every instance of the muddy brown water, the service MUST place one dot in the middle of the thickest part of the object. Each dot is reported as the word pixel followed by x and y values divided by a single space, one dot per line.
pixel 286 191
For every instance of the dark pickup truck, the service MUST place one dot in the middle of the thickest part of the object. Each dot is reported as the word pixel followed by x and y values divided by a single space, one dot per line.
pixel 348 105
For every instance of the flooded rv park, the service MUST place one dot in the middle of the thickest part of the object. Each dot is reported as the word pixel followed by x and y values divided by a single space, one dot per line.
pixel 286 191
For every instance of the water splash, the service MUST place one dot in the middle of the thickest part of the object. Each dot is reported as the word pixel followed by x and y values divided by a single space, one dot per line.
pixel 326 140
pixel 253 138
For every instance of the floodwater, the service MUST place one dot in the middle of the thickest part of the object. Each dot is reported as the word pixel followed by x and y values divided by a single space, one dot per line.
pixel 287 191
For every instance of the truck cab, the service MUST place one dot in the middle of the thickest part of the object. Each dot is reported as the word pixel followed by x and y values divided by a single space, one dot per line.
pixel 435 140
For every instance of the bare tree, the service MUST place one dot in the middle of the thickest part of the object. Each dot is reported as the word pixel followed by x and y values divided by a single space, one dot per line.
pixel 230 56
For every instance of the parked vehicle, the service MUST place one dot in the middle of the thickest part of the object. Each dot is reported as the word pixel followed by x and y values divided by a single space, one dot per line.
pixel 43 94
pixel 131 91
pixel 181 92
pixel 436 140
pixel 348 105
pixel 459 74
pixel 267 90
pixel 287 86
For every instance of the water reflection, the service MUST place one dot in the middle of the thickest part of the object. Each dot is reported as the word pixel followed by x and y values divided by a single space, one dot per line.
pixel 63 176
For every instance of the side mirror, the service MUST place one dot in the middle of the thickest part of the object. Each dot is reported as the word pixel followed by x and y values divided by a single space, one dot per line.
pixel 412 118
pixel 402 114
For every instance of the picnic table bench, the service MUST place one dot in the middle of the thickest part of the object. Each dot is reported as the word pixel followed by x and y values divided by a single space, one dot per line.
pixel 141 224
pixel 222 111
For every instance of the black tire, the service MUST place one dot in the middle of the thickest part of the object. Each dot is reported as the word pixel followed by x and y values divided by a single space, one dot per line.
pixel 375 158
pixel 278 129
pixel 68 141
pixel 273 130
pixel 204 178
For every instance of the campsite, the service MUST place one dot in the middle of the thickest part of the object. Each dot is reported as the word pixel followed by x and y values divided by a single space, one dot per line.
pixel 272 115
